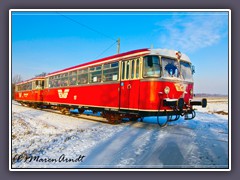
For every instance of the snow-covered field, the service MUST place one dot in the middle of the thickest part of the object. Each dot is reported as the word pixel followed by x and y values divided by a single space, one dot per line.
pixel 47 140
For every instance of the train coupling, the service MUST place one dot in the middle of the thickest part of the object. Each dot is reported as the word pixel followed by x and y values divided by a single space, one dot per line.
pixel 183 109
pixel 202 102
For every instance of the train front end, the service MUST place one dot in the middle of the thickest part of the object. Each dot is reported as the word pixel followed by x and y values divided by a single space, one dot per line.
pixel 168 85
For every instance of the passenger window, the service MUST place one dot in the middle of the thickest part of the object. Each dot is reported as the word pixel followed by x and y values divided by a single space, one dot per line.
pixel 42 84
pixel 56 81
pixel 64 79
pixel 127 69
pixel 137 68
pixel 95 74
pixel 110 72
pixel 83 76
pixel 51 82
pixel 106 66
pixel 38 84
pixel 35 84
pixel 28 86
pixel 123 70
pixel 133 69
pixel 73 78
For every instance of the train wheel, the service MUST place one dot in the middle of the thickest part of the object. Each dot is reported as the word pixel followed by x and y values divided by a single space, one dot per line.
pixel 103 114
pixel 64 110
pixel 113 118
pixel 34 106
pixel 133 118
pixel 80 110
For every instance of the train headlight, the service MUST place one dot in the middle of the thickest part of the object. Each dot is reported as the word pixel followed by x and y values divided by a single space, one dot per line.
pixel 167 90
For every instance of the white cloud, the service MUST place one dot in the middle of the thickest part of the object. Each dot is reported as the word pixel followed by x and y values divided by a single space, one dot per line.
pixel 192 32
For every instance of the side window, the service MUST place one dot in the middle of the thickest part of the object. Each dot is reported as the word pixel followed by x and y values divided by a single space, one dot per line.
pixel 46 83
pixel 38 84
pixel 151 66
pixel 28 86
pixel 125 70
pixel 73 78
pixel 110 72
pixel 95 74
pixel 64 79
pixel 42 84
pixel 133 69
pixel 56 81
pixel 82 76
pixel 137 68
pixel 51 82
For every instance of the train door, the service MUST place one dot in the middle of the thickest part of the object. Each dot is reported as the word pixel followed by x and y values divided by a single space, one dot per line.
pixel 129 85
pixel 41 92
pixel 37 87
pixel 35 90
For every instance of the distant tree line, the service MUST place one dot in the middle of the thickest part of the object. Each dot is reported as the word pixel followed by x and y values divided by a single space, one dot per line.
pixel 42 74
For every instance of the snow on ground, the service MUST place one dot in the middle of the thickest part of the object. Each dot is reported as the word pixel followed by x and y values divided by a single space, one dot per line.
pixel 47 140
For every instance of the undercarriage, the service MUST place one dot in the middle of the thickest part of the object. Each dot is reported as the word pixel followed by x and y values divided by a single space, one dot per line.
pixel 175 109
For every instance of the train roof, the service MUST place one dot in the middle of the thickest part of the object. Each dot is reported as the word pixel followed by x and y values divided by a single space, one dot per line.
pixel 163 52
pixel 129 54
pixel 32 79
pixel 104 60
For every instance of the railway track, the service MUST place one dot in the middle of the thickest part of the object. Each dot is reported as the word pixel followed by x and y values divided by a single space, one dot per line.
pixel 80 116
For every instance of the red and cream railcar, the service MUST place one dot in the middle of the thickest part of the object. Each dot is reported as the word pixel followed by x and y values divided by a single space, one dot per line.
pixel 134 84
pixel 30 91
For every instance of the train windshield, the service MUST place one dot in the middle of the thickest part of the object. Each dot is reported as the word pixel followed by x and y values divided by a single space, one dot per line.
pixel 186 71
pixel 151 66
pixel 170 68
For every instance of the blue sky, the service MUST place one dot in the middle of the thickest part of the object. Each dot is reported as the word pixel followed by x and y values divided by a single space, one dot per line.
pixel 49 41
